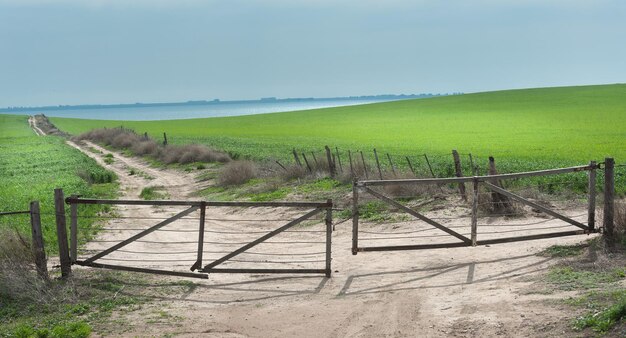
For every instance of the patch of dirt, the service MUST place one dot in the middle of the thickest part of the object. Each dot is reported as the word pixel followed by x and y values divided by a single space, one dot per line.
pixel 457 292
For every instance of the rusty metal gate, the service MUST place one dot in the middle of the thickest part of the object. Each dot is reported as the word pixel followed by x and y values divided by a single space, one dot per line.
pixel 461 233
pixel 226 244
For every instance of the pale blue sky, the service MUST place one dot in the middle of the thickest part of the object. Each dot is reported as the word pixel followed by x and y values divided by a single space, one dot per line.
pixel 89 51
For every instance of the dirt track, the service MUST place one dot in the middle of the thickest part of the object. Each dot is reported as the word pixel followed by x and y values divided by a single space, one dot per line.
pixel 461 292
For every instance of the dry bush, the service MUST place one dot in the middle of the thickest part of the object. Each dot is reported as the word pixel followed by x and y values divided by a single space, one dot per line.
pixel 410 190
pixel 125 140
pixel 620 218
pixel 191 153
pixel 139 145
pixel 237 172
pixel 359 172
pixel 145 147
pixel 488 206
pixel 18 277
pixel 293 172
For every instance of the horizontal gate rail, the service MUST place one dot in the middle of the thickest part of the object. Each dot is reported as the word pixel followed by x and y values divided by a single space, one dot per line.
pixel 145 270
pixel 6 213
pixel 71 200
pixel 479 178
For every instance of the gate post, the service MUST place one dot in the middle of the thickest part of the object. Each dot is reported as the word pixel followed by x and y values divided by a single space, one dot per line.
pixel 329 232
pixel 355 217
pixel 591 213
pixel 198 264
pixel 38 246
pixel 609 203
pixel 64 255
pixel 474 211
pixel 73 230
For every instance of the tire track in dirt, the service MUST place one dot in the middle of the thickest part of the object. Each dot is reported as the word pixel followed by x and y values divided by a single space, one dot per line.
pixel 33 124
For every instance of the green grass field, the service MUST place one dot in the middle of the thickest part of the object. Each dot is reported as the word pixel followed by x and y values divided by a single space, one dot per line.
pixel 546 125
pixel 31 167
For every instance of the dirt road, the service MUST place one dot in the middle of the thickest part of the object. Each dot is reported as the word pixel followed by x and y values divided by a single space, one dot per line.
pixel 462 292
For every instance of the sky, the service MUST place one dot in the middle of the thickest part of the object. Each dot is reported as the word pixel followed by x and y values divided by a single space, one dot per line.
pixel 123 51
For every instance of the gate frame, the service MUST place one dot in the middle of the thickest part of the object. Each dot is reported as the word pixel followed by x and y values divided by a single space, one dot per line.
pixel 318 207
pixel 364 186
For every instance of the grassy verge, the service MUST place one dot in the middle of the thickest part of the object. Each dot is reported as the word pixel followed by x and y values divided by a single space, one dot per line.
pixel 604 311
pixel 598 277
pixel 31 168
pixel 82 306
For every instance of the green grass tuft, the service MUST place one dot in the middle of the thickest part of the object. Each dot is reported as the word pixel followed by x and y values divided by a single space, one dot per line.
pixel 563 250
pixel 569 278
pixel 152 193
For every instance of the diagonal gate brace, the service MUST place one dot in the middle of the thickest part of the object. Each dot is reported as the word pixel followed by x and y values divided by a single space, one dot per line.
pixel 535 205
pixel 207 268
pixel 418 215
pixel 141 234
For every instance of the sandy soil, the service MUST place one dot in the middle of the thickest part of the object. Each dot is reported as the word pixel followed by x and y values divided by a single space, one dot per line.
pixel 484 291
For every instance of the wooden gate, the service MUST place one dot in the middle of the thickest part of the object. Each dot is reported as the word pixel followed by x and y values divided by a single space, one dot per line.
pixel 199 268
pixel 501 197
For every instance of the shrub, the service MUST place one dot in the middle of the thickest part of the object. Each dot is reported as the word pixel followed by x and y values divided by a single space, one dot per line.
pixel 410 190
pixel 18 278
pixel 293 172
pixel 237 172
pixel 145 147
pixel 141 146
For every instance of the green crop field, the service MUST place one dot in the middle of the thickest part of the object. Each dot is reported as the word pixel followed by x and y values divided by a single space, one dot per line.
pixel 545 125
pixel 31 167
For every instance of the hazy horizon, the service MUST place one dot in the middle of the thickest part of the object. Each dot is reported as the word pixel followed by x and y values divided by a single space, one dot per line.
pixel 72 52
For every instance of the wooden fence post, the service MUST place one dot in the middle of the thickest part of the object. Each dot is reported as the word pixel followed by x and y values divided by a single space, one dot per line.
pixel 500 202
pixel 351 166
pixel 364 166
pixel 315 159
pixel 474 211
pixel 459 173
pixel 471 159
pixel 164 139
pixel 609 201
pixel 591 214
pixel 393 170
pixel 338 160
pixel 308 166
pixel 380 173
pixel 281 165
pixel 355 217
pixel 296 158
pixel 64 255
pixel 38 246
pixel 408 160
pixel 331 164
pixel 329 232
pixel 432 173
